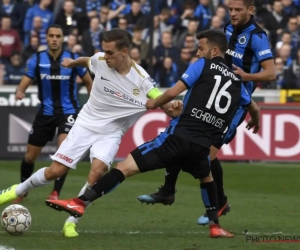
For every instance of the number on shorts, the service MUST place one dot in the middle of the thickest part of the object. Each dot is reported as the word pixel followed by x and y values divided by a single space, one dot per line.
pixel 71 119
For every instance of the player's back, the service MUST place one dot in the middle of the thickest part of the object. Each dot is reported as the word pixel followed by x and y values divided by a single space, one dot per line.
pixel 116 101
pixel 210 103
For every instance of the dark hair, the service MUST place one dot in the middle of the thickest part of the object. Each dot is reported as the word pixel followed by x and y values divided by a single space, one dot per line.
pixel 122 38
pixel 54 26
pixel 248 3
pixel 214 37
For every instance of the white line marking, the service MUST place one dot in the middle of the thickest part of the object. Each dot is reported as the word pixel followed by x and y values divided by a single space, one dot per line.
pixel 2 247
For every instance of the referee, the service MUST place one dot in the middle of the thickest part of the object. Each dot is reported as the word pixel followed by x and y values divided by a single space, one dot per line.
pixel 59 105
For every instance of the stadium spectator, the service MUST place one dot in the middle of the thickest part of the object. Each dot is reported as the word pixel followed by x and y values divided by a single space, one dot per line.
pixel 167 75
pixel 9 39
pixel 123 24
pixel 71 42
pixel 14 70
pixel 292 77
pixel 191 44
pixel 275 21
pixel 289 8
pixel 184 60
pixel 40 10
pixel 6 7
pixel 292 27
pixel 37 30
pixel 280 81
pixel 204 14
pixel 91 38
pixel 136 16
pixel 216 23
pixel 190 30
pixel 68 19
pixel 137 42
pixel 165 49
pixel 105 23
pixel 222 13
pixel 31 48
pixel 285 53
pixel 19 13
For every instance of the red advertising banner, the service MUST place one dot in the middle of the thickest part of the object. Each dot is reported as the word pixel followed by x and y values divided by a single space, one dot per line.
pixel 277 140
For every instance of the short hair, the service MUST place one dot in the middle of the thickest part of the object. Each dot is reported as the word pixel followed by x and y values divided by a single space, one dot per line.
pixel 214 37
pixel 56 26
pixel 122 38
pixel 249 3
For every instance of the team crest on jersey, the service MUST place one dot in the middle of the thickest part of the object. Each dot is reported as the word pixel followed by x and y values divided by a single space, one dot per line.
pixel 136 92
pixel 242 40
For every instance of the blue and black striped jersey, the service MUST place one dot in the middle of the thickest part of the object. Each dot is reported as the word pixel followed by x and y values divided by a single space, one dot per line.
pixel 248 47
pixel 57 88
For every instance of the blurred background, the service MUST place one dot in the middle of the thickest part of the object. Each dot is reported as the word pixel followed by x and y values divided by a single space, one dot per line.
pixel 164 43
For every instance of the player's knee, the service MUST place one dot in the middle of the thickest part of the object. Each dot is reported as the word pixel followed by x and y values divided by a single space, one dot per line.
pixel 127 170
pixel 96 173
pixel 29 158
pixel 55 171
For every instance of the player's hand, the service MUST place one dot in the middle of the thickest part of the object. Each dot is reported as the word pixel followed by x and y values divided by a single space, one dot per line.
pixel 251 123
pixel 19 95
pixel 66 62
pixel 150 104
pixel 240 72
pixel 177 104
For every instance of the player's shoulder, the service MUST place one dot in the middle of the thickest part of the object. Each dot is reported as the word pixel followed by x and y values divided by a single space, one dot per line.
pixel 138 71
pixel 100 56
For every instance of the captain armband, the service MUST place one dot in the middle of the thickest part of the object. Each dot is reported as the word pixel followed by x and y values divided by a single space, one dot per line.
pixel 154 93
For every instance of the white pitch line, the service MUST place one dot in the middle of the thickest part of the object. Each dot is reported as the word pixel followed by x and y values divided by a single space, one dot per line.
pixel 3 247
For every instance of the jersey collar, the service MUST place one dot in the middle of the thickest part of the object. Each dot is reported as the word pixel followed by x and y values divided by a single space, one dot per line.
pixel 59 56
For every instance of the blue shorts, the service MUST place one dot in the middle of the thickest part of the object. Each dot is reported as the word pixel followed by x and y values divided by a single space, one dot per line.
pixel 238 118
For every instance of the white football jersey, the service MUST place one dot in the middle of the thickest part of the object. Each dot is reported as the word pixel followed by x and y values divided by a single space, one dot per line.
pixel 116 101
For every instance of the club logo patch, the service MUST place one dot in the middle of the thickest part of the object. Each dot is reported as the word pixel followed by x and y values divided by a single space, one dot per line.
pixel 136 92
pixel 242 40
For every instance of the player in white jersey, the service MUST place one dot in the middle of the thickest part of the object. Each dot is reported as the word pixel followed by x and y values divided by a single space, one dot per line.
pixel 119 93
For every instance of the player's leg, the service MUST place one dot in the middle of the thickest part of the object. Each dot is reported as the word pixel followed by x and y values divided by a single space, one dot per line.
pixel 166 193
pixel 41 132
pixel 199 168
pixel 75 145
pixel 102 154
pixel 142 159
pixel 64 124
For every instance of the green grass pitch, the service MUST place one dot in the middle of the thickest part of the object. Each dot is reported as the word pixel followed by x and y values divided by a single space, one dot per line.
pixel 264 200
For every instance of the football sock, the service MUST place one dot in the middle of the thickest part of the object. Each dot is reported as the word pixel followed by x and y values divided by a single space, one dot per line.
pixel 217 173
pixel 58 184
pixel 210 200
pixel 36 180
pixel 26 170
pixel 103 186
pixel 86 187
pixel 171 176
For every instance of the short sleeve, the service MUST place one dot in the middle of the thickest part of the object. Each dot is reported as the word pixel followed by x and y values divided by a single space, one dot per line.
pixel 30 67
pixel 261 47
pixel 80 71
pixel 245 100
pixel 149 84
pixel 193 73
pixel 93 62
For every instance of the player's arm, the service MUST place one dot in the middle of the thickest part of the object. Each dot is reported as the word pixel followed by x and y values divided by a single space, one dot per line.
pixel 87 81
pixel 79 62
pixel 171 109
pixel 27 78
pixel 254 121
pixel 188 79
pixel 262 50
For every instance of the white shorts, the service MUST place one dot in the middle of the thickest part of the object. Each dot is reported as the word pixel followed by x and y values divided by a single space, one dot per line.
pixel 80 140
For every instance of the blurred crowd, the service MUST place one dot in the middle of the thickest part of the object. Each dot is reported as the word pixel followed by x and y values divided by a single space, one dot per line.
pixel 174 46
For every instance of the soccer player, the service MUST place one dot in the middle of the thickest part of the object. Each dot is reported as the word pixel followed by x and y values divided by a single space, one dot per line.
pixel 117 100
pixel 250 56
pixel 214 92
pixel 57 91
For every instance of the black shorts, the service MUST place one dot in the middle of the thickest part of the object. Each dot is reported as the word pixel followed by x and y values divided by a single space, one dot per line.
pixel 44 128
pixel 173 151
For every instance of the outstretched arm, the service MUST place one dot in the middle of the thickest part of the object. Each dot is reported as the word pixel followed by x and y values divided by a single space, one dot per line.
pixel 254 121
pixel 79 62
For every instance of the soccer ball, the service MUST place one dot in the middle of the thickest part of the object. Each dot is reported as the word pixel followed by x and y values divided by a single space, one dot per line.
pixel 15 219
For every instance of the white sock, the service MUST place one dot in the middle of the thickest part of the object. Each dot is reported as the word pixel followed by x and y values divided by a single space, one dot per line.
pixel 84 188
pixel 36 180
